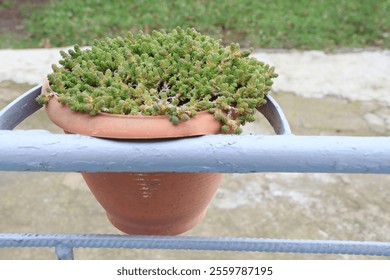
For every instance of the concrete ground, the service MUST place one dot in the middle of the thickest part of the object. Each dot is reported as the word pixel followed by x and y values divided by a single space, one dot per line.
pixel 321 94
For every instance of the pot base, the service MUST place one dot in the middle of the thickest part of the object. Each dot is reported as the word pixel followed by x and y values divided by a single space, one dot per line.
pixel 141 229
pixel 153 203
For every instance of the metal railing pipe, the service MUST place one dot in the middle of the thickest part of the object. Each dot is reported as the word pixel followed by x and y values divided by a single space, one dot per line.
pixel 43 151
pixel 67 242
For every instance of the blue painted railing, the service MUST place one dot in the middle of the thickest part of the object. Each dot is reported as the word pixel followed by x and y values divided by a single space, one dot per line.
pixel 283 152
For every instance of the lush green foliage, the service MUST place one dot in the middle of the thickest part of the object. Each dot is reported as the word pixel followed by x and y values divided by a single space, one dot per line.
pixel 302 24
pixel 175 74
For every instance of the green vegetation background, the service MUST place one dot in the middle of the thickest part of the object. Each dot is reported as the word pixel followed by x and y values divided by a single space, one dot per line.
pixel 300 24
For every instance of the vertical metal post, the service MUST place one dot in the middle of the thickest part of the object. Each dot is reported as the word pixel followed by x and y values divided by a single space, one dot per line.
pixel 64 252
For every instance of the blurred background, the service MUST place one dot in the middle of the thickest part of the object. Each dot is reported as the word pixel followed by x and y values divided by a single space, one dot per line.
pixel 302 24
pixel 333 61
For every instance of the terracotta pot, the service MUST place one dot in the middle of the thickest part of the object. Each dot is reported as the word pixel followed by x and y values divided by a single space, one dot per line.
pixel 154 203
pixel 144 203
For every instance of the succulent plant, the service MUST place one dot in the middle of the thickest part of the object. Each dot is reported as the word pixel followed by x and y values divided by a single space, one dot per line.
pixel 177 74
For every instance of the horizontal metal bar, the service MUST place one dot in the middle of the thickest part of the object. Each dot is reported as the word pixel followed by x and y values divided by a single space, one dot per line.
pixel 196 243
pixel 43 151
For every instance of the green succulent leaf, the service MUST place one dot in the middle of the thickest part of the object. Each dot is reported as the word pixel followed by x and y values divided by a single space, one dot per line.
pixel 175 73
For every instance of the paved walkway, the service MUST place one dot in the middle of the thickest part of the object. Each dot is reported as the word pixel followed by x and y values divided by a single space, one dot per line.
pixel 359 75
pixel 268 205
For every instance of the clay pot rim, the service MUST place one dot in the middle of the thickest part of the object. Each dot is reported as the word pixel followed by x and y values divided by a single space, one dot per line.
pixel 117 126
pixel 140 116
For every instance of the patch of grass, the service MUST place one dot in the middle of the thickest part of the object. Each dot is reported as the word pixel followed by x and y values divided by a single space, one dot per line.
pixel 6 4
pixel 9 40
pixel 301 24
